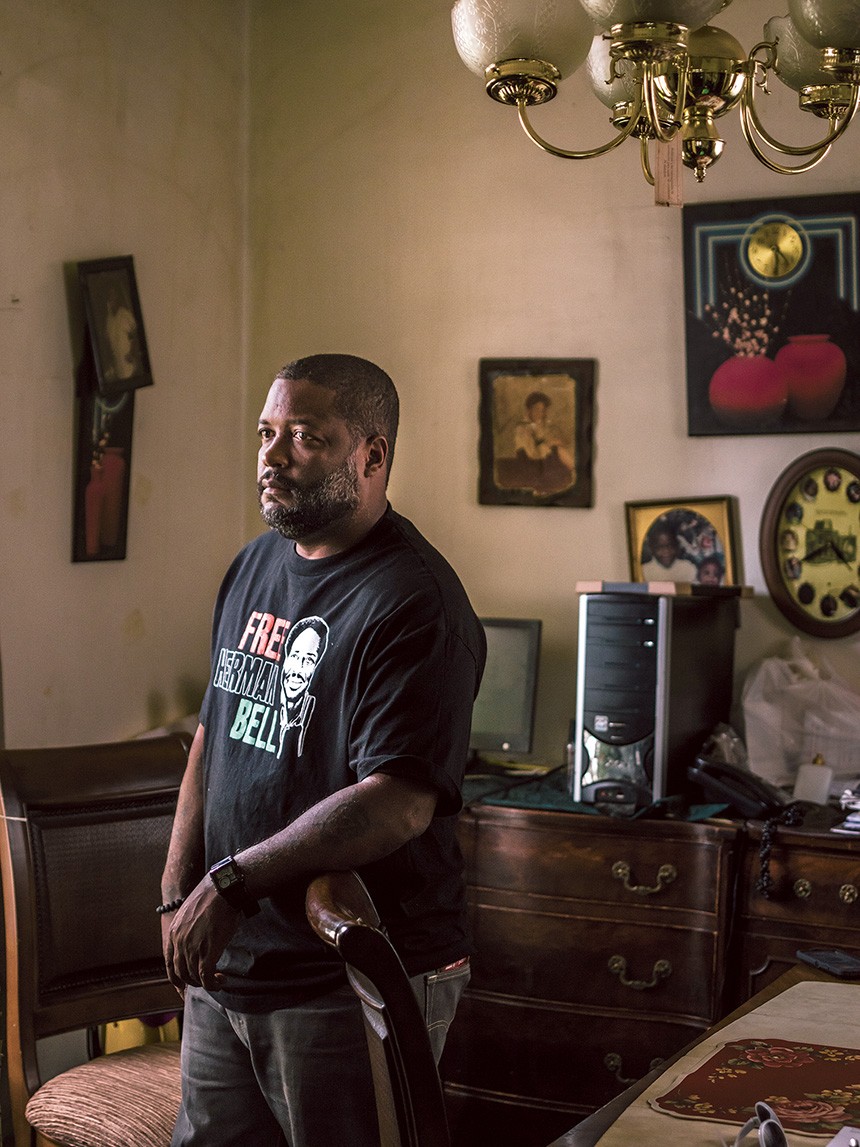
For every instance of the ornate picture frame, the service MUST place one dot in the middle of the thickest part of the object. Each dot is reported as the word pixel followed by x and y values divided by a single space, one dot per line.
pixel 688 540
pixel 536 432
pixel 114 325
pixel 772 315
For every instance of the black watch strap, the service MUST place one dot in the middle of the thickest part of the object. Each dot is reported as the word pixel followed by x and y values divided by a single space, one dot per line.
pixel 229 881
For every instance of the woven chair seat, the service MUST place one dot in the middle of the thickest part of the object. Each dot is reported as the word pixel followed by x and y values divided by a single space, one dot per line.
pixel 125 1099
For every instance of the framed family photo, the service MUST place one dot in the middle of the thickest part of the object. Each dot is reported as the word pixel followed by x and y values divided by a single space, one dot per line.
pixel 536 432
pixel 691 540
pixel 114 325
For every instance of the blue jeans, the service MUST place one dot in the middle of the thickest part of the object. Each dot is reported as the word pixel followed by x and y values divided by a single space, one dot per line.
pixel 298 1076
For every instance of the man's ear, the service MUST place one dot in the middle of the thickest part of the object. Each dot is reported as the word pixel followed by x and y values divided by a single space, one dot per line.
pixel 375 454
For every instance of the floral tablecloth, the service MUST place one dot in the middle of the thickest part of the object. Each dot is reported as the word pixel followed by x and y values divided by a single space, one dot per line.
pixel 812 1087
pixel 762 1056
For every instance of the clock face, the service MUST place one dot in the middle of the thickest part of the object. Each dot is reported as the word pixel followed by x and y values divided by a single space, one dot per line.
pixel 809 543
pixel 775 248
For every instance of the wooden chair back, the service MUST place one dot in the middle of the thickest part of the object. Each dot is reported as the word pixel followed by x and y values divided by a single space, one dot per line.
pixel 409 1098
pixel 84 836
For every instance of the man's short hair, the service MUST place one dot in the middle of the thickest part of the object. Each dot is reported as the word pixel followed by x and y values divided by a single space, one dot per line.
pixel 364 395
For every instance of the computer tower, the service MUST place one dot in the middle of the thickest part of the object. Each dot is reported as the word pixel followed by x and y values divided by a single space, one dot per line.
pixel 654 678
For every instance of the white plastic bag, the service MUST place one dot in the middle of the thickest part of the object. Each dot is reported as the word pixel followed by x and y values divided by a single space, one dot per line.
pixel 795 707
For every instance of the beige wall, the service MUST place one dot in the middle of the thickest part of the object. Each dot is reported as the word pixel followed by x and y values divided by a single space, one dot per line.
pixel 399 214
pixel 395 212
pixel 121 132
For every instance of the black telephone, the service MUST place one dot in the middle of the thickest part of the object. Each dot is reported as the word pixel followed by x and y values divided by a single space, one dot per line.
pixel 746 794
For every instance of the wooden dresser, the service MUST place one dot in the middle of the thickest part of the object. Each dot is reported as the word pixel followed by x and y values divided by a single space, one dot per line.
pixel 815 903
pixel 601 949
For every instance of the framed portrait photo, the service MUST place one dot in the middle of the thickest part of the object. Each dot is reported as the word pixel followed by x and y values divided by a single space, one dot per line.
pixel 536 432
pixel 114 325
pixel 690 540
pixel 772 315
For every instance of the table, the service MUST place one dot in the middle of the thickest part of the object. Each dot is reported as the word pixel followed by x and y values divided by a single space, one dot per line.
pixel 590 1130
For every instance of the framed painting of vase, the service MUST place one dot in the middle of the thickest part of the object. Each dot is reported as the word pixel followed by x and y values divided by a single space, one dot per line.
pixel 772 315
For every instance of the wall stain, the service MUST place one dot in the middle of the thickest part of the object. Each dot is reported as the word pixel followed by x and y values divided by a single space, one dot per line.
pixel 142 491
pixel 16 502
pixel 133 627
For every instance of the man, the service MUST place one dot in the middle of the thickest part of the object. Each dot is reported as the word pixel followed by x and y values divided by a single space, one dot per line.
pixel 273 1044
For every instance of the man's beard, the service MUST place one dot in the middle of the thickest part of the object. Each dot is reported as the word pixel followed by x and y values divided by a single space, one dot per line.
pixel 316 506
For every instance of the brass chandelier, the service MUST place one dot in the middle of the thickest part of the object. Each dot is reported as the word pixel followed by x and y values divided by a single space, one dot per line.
pixel 667 74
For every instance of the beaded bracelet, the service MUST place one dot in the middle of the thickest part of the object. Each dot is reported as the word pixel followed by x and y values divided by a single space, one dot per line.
pixel 170 906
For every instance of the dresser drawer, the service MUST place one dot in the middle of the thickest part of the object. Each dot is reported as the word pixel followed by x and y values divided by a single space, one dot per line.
pixel 810 887
pixel 550 1054
pixel 598 962
pixel 600 859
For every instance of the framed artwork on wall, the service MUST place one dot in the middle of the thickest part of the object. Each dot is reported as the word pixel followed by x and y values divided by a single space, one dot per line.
pixel 689 540
pixel 772 315
pixel 102 459
pixel 536 432
pixel 115 325
pixel 113 364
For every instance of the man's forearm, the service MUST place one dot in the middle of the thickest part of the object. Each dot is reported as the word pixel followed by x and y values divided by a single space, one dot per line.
pixel 185 856
pixel 348 829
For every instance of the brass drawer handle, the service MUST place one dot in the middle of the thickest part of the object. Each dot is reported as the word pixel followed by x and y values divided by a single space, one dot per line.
pixel 666 873
pixel 848 893
pixel 613 1063
pixel 661 971
pixel 802 889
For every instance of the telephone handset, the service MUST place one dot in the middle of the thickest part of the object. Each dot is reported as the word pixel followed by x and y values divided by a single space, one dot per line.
pixel 748 795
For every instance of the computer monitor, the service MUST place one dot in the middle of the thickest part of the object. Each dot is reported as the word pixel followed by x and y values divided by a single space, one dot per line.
pixel 503 714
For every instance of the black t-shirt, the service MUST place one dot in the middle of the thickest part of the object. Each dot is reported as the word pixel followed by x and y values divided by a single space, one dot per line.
pixel 325 671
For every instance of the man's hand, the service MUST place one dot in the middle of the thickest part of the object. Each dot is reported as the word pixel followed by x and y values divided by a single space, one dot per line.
pixel 198 934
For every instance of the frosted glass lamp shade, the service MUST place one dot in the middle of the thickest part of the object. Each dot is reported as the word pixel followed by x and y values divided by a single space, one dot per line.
pixel 489 31
pixel 599 67
pixel 690 13
pixel 827 23
pixel 710 43
pixel 798 64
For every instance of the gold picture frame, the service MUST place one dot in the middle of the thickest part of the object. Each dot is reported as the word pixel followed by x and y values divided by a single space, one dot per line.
pixel 687 540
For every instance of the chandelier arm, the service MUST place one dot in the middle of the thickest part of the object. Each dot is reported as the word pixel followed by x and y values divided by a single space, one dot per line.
pixel 748 126
pixel 652 104
pixel 646 161
pixel 750 118
pixel 561 153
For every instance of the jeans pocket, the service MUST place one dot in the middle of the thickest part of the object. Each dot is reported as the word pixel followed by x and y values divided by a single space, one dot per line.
pixel 439 994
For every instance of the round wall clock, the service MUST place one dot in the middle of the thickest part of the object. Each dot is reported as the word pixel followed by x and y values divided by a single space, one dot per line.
pixel 808 542
pixel 776 250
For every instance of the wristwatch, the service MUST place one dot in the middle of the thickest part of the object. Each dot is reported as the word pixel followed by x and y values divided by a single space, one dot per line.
pixel 229 881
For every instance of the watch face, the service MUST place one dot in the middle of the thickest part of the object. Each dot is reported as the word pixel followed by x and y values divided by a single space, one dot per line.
pixel 225 874
pixel 809 543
